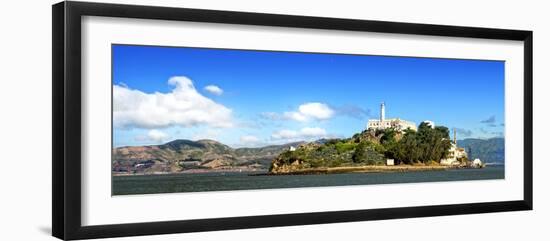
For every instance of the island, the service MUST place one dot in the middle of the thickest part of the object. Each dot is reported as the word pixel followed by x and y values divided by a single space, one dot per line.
pixel 386 150
pixel 387 145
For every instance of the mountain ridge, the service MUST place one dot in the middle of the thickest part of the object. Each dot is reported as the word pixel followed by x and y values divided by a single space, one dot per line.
pixel 183 155
pixel 489 150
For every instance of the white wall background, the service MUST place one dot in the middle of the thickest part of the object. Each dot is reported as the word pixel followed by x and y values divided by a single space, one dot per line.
pixel 25 123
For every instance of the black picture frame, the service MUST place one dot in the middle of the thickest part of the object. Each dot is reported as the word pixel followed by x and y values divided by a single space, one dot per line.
pixel 66 157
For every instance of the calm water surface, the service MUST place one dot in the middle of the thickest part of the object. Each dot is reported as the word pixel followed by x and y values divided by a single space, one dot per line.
pixel 123 185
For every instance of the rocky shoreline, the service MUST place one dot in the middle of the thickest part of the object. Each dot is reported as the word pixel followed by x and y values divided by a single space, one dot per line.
pixel 364 169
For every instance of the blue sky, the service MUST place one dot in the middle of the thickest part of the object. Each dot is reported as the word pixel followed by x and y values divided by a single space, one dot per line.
pixel 256 98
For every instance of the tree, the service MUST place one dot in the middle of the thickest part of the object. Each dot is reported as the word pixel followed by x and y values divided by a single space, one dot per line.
pixel 360 153
pixel 365 153
pixel 422 146
pixel 388 135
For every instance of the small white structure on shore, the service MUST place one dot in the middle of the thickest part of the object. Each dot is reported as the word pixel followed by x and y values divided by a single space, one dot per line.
pixel 292 148
pixel 455 153
pixel 477 163
pixel 390 162
pixel 395 123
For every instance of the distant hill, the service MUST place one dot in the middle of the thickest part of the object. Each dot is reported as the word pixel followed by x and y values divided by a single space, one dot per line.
pixel 182 155
pixel 487 150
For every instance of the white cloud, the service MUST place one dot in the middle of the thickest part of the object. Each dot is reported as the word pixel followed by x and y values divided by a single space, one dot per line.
pixel 284 134
pixel 297 116
pixel 306 133
pixel 306 112
pixel 249 139
pixel 214 89
pixel 154 136
pixel 316 110
pixel 183 106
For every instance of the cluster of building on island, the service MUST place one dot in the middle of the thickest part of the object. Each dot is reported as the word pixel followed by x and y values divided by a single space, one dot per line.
pixel 455 153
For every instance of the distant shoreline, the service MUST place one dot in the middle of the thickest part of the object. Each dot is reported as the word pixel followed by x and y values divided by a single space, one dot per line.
pixel 194 171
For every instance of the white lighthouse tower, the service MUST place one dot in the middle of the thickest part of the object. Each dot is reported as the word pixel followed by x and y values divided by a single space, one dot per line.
pixel 395 123
pixel 382 112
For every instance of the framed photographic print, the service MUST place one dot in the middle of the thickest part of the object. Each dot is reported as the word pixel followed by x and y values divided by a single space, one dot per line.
pixel 160 114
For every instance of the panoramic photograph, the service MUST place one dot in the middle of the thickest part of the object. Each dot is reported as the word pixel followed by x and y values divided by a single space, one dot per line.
pixel 187 119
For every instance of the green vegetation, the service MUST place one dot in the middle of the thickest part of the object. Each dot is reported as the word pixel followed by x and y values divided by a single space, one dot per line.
pixel 366 153
pixel 426 146
pixel 370 147
pixel 333 153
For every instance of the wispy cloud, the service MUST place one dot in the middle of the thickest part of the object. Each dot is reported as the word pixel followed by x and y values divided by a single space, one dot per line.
pixel 483 130
pixel 183 106
pixel 353 111
pixel 490 120
pixel 306 133
pixel 213 89
pixel 498 133
pixel 489 133
pixel 463 132
pixel 271 116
